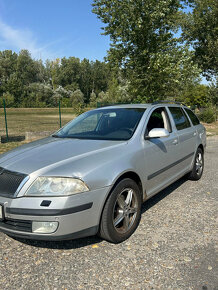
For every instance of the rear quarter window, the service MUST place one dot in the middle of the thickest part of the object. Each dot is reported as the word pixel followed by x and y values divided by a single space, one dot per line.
pixel 193 117
pixel 180 119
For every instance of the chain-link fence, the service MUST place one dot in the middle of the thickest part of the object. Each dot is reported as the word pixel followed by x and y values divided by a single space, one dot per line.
pixel 17 124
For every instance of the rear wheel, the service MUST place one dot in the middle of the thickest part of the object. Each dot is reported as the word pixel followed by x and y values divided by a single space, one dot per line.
pixel 122 212
pixel 198 166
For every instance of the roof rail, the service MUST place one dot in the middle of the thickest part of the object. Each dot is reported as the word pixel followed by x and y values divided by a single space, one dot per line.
pixel 167 102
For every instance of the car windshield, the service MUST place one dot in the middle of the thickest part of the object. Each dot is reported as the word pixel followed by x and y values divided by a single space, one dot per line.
pixel 103 124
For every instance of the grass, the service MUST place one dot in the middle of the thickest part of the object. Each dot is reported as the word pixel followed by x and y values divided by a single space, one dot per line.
pixel 32 120
pixel 8 146
pixel 37 120
pixel 212 129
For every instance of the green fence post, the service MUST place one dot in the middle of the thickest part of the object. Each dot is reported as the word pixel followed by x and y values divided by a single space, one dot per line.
pixel 60 112
pixel 6 124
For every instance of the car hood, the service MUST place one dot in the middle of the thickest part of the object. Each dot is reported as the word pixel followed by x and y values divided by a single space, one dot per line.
pixel 45 152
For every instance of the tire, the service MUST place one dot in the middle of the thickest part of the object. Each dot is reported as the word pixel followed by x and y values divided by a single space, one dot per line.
pixel 198 166
pixel 122 212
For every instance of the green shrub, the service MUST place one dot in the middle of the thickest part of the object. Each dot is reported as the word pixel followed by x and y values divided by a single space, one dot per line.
pixel 78 109
pixel 66 102
pixel 208 115
pixel 9 100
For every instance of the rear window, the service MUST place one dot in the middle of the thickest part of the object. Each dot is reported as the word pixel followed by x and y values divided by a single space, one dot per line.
pixel 180 119
pixel 193 117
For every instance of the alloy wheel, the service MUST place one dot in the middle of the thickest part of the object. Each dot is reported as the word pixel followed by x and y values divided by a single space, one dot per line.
pixel 199 163
pixel 125 210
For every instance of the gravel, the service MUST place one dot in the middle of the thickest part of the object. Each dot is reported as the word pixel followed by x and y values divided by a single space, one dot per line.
pixel 174 247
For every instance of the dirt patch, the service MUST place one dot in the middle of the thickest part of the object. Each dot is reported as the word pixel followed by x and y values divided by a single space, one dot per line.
pixel 212 129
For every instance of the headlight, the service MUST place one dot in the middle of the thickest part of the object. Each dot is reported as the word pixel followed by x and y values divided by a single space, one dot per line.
pixel 56 186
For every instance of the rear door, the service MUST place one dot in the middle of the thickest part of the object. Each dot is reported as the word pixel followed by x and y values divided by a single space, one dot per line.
pixel 200 130
pixel 187 137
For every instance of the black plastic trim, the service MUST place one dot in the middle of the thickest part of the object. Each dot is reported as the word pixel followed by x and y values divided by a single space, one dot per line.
pixel 45 203
pixel 81 234
pixel 3 213
pixel 10 182
pixel 169 166
pixel 16 225
pixel 48 212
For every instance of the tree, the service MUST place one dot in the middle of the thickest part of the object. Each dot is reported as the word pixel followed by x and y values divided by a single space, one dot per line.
pixel 169 74
pixel 15 87
pixel 93 99
pixel 26 68
pixel 123 94
pixel 103 98
pixel 144 45
pixel 8 60
pixel 34 83
pixel 77 98
pixel 200 29
pixel 85 81
pixel 52 69
pixel 37 95
pixel 69 73
pixel 100 76
pixel 213 93
pixel 195 95
pixel 9 99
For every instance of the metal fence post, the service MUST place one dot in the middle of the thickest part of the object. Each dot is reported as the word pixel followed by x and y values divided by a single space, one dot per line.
pixel 6 124
pixel 60 112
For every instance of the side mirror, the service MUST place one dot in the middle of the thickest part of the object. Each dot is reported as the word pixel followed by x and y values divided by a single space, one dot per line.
pixel 158 133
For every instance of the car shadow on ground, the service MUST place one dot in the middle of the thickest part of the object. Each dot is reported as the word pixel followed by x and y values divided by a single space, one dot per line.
pixel 162 194
pixel 83 242
pixel 62 245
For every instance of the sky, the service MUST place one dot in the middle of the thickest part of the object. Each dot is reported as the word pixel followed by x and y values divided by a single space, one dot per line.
pixel 52 28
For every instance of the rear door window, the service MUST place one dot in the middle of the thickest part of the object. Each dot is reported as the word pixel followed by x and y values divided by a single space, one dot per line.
pixel 193 117
pixel 180 119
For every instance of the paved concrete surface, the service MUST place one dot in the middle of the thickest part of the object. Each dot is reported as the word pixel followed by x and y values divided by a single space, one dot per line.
pixel 173 248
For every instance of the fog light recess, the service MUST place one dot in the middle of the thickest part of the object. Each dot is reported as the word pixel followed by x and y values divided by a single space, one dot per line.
pixel 44 227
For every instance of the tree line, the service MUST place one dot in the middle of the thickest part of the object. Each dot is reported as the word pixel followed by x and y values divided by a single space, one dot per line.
pixel 158 51
pixel 25 82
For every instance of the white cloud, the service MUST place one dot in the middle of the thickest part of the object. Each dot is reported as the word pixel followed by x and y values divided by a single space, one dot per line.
pixel 17 39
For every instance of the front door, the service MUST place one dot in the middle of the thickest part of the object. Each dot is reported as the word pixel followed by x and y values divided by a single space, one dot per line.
pixel 160 153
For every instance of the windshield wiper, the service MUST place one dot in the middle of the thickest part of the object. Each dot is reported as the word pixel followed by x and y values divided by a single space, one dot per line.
pixel 66 137
pixel 56 136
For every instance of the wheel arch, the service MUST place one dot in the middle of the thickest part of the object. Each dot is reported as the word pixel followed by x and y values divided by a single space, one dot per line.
pixel 128 174
pixel 201 147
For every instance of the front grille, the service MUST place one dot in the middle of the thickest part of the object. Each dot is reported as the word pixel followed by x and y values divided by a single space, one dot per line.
pixel 17 225
pixel 9 182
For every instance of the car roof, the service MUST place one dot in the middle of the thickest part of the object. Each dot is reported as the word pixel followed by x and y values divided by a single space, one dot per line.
pixel 145 106
pixel 126 106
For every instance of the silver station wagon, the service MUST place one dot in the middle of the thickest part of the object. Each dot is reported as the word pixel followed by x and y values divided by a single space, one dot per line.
pixel 92 176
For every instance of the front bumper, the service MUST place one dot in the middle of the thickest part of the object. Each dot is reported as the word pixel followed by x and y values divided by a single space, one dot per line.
pixel 76 235
pixel 77 215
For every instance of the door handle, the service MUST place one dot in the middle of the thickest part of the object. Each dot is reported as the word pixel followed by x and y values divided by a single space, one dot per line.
pixel 194 134
pixel 175 142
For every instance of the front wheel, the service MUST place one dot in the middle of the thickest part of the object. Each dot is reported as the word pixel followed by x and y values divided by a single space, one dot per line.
pixel 198 166
pixel 122 212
